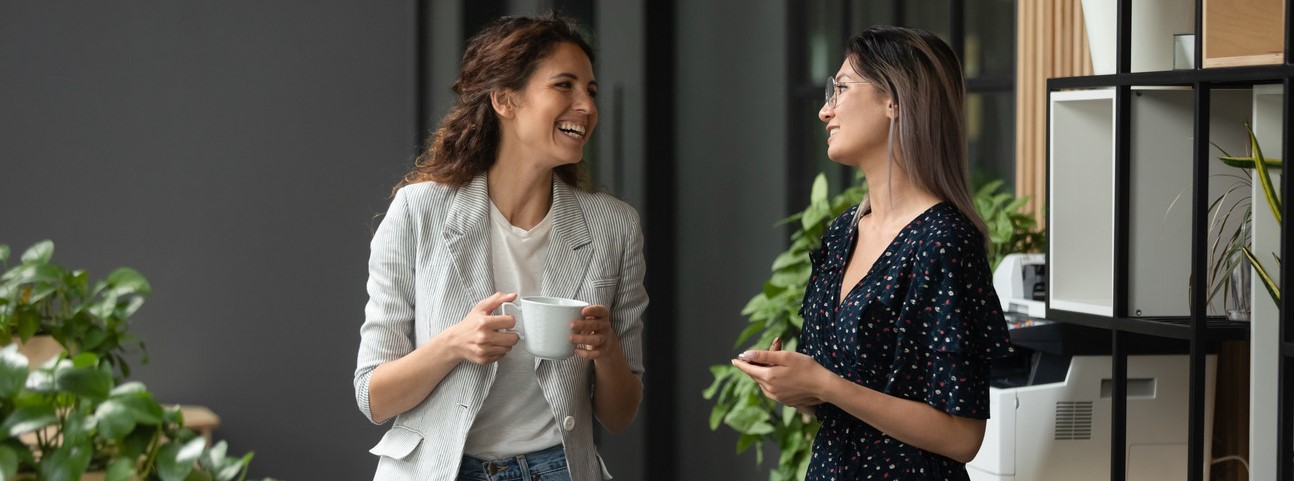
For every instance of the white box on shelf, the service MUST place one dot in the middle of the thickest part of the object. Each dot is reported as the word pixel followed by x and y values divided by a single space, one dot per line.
pixel 1081 202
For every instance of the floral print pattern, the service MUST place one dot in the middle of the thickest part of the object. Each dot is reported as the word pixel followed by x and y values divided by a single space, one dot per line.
pixel 922 324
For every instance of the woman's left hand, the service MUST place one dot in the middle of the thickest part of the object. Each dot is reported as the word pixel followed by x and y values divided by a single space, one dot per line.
pixel 788 377
pixel 593 336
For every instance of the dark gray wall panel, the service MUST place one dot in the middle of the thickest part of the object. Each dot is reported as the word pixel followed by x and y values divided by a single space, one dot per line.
pixel 235 153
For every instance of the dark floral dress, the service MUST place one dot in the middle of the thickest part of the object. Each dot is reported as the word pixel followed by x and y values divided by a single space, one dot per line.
pixel 922 324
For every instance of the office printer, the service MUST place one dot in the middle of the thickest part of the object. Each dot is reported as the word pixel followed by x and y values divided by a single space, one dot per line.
pixel 1050 410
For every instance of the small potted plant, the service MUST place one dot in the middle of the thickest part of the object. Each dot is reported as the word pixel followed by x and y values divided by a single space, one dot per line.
pixel 1232 252
pixel 39 297
pixel 75 413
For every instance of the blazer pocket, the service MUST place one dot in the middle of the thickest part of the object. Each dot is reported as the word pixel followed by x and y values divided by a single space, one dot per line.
pixel 604 282
pixel 397 443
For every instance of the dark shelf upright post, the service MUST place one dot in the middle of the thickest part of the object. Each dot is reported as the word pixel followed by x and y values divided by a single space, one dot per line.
pixel 1199 249
pixel 1122 168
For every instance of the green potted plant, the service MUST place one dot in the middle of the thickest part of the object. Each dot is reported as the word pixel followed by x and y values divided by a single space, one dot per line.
pixel 74 414
pixel 1233 249
pixel 38 297
pixel 775 312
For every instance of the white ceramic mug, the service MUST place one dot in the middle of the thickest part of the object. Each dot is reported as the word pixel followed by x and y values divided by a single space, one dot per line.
pixel 544 324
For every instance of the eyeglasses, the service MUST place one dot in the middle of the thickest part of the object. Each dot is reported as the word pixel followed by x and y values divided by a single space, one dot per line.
pixel 833 89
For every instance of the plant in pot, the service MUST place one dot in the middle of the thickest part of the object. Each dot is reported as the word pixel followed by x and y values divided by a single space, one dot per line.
pixel 1232 250
pixel 775 312
pixel 38 297
pixel 75 414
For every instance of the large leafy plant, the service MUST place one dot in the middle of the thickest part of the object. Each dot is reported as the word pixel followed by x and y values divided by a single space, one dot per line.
pixel 74 414
pixel 775 313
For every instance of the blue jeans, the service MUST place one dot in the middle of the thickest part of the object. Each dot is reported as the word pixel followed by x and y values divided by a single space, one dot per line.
pixel 544 465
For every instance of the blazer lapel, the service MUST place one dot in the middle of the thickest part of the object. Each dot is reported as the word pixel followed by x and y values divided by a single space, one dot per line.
pixel 569 248
pixel 467 238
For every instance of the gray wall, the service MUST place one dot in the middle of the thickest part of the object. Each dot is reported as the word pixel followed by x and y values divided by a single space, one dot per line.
pixel 235 153
pixel 731 159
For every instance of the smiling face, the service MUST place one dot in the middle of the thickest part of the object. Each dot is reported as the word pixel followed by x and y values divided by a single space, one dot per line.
pixel 858 124
pixel 552 118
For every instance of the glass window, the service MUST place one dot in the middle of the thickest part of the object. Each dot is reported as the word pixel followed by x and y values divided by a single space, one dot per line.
pixel 990 135
pixel 988 60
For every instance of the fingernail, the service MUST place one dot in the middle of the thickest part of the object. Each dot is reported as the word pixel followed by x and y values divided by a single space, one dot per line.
pixel 746 356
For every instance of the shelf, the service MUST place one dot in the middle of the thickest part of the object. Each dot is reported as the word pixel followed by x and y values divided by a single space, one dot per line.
pixel 1217 329
pixel 1234 76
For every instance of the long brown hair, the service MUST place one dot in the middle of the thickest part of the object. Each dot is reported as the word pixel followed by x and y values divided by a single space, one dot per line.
pixel 921 75
pixel 499 57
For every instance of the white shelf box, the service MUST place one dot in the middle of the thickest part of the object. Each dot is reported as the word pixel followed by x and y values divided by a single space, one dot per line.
pixel 1081 211
pixel 1162 156
pixel 1081 205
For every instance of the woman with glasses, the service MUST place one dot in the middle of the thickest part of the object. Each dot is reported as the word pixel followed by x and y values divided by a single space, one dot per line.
pixel 492 211
pixel 900 316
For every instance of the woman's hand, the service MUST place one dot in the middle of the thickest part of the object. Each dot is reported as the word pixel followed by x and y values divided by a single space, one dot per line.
pixel 593 336
pixel 482 337
pixel 790 378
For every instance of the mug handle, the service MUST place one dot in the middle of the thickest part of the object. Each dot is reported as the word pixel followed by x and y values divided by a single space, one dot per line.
pixel 512 309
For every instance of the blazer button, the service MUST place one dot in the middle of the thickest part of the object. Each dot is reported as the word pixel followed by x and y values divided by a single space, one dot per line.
pixel 568 423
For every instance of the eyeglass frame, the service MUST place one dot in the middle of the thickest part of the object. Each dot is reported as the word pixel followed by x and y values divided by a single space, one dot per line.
pixel 832 89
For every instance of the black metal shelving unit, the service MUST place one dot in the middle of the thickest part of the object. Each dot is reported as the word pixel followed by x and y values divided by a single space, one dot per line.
pixel 1198 329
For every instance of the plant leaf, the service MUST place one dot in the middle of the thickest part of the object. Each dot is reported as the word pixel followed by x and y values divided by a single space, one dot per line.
pixel 8 460
pixel 39 253
pixel 1272 289
pixel 1264 179
pixel 818 194
pixel 238 469
pixel 1249 162
pixel 175 460
pixel 751 420
pixel 67 463
pixel 13 371
pixel 90 382
pixel 27 419
pixel 128 281
pixel 122 469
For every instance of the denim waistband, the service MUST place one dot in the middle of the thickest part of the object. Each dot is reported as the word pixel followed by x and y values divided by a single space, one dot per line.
pixel 521 466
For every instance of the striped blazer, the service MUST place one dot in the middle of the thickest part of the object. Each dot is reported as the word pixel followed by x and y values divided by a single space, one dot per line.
pixel 430 264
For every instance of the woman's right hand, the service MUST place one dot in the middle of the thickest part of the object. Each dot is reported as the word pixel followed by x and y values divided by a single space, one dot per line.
pixel 482 337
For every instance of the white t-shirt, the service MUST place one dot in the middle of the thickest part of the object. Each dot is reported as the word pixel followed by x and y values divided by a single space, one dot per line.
pixel 515 418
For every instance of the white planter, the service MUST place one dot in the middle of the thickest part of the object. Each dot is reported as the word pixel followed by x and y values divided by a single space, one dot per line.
pixel 1154 22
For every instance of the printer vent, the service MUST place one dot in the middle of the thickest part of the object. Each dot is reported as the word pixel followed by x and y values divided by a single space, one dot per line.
pixel 1073 420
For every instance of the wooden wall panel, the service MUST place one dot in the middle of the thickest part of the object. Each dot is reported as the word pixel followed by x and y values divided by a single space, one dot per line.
pixel 1051 42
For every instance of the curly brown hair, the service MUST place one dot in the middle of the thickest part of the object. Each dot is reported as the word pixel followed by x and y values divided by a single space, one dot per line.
pixel 501 56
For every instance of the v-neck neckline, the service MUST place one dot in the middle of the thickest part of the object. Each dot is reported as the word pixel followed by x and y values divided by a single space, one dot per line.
pixel 851 243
